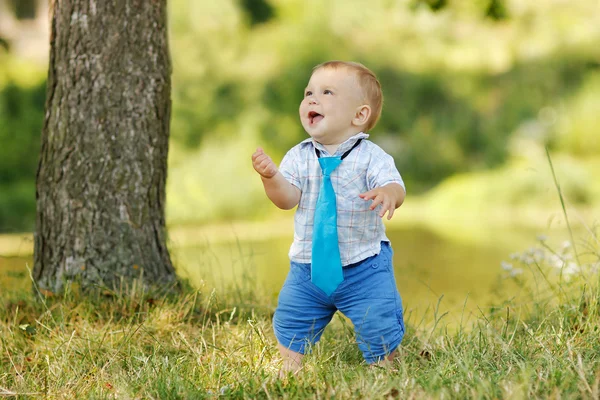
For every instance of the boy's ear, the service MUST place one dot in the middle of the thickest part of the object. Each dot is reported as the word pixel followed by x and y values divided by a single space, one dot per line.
pixel 362 115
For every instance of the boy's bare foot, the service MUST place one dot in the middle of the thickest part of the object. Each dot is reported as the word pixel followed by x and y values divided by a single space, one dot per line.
pixel 292 361
pixel 388 362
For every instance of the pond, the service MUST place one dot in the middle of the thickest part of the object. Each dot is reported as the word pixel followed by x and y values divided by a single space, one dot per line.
pixel 429 265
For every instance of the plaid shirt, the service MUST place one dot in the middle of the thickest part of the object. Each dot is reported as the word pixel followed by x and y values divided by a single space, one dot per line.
pixel 360 230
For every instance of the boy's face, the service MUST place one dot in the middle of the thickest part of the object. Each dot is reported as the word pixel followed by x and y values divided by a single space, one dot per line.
pixel 331 101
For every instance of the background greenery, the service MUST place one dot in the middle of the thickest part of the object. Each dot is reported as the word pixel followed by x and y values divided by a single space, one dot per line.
pixel 475 91
pixel 469 87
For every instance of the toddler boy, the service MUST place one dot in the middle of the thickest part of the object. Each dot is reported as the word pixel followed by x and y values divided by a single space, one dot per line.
pixel 343 186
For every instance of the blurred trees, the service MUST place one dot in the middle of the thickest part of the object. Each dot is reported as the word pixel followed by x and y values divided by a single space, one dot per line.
pixel 258 11
pixel 21 120
pixel 24 9
pixel 463 82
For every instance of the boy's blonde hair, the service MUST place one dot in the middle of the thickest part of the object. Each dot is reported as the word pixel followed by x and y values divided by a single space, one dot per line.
pixel 369 84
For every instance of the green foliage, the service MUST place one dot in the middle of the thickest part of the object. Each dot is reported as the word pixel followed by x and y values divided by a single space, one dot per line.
pixel 200 192
pixel 21 116
pixel 576 129
pixel 461 80
pixel 434 5
pixel 497 10
pixel 17 206
pixel 4 45
pixel 21 120
pixel 439 124
pixel 451 102
pixel 520 188
pixel 259 11
pixel 24 9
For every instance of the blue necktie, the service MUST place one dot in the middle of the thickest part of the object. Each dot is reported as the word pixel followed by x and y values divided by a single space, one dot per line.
pixel 326 263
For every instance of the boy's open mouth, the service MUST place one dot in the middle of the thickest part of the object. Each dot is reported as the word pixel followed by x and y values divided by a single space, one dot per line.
pixel 314 117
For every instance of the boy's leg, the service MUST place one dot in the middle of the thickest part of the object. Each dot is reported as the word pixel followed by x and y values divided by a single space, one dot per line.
pixel 292 361
pixel 386 362
pixel 389 359
pixel 372 302
pixel 302 313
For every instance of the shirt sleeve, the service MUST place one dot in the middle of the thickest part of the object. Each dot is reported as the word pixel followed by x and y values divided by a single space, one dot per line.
pixel 382 171
pixel 289 167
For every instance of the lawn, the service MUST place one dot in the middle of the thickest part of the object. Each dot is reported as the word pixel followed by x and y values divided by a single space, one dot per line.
pixel 203 343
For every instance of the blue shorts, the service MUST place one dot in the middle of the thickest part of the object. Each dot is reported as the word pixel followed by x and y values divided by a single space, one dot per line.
pixel 367 296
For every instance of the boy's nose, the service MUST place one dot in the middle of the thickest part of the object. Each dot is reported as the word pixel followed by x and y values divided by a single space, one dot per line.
pixel 312 100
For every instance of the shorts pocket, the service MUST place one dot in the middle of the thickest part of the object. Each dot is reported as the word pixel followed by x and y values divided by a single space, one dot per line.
pixel 370 280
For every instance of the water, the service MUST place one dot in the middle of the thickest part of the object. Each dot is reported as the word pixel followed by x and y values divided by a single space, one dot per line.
pixel 429 266
pixel 461 269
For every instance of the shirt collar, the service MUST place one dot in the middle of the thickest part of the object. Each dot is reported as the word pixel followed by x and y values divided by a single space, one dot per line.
pixel 342 148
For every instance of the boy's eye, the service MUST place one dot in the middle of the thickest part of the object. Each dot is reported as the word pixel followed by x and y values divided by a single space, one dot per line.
pixel 327 91
pixel 308 93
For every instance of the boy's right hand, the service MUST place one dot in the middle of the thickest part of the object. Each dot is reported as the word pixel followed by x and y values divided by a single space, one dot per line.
pixel 263 164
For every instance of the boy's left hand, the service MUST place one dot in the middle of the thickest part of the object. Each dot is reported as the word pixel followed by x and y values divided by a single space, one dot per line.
pixel 389 196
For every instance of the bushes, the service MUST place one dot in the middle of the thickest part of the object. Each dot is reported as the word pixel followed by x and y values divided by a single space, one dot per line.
pixel 458 87
pixel 17 206
pixel 21 121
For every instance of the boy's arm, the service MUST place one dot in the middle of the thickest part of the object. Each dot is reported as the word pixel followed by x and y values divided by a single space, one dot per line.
pixel 387 185
pixel 282 193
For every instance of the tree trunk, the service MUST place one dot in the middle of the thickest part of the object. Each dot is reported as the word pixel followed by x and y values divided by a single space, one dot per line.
pixel 103 165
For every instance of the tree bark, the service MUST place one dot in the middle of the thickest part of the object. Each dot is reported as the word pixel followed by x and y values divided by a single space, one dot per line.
pixel 103 165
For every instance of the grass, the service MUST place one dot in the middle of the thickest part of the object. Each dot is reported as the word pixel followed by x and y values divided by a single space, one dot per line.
pixel 209 344
pixel 542 343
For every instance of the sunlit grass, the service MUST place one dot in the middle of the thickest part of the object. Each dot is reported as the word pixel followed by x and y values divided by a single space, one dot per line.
pixel 16 244
pixel 205 343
